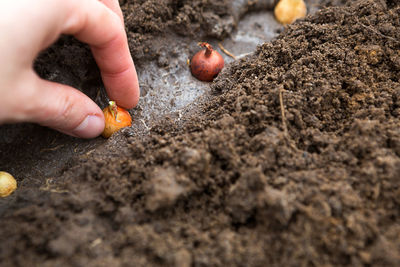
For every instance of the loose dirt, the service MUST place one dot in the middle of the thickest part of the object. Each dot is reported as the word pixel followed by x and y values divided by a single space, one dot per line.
pixel 292 158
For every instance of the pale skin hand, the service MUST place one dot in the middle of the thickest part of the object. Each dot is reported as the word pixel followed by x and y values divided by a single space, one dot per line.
pixel 27 27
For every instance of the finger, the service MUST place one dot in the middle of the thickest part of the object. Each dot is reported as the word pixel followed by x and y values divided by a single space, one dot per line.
pixel 120 79
pixel 63 108
pixel 95 24
pixel 114 6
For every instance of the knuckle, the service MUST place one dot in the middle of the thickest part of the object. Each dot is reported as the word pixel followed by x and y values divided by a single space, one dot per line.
pixel 66 110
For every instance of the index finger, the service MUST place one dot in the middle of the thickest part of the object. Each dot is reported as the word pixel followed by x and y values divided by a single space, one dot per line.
pixel 93 23
pixel 114 6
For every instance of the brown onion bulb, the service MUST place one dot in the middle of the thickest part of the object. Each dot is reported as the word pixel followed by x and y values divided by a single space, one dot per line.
pixel 206 64
pixel 7 184
pixel 115 119
pixel 288 11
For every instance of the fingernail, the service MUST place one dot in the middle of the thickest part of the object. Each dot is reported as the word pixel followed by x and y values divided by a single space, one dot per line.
pixel 90 127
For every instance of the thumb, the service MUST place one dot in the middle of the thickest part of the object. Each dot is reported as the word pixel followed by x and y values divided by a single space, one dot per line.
pixel 63 108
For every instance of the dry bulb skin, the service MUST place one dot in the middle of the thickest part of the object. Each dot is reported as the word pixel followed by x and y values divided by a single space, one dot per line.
pixel 115 118
pixel 206 64
pixel 7 184
pixel 288 11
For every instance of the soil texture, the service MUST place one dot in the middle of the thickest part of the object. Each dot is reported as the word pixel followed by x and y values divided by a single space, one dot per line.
pixel 291 159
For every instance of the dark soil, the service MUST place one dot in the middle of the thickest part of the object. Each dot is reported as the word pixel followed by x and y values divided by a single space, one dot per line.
pixel 244 179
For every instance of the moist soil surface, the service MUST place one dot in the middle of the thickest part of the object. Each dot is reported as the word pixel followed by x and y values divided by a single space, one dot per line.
pixel 292 158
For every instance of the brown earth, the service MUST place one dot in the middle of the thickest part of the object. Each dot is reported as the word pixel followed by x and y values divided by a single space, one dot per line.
pixel 247 178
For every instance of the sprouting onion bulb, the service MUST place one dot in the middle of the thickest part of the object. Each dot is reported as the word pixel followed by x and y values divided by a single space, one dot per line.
pixel 206 64
pixel 288 11
pixel 115 119
pixel 7 184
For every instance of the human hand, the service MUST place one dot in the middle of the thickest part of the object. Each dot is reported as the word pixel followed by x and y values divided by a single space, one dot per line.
pixel 27 27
